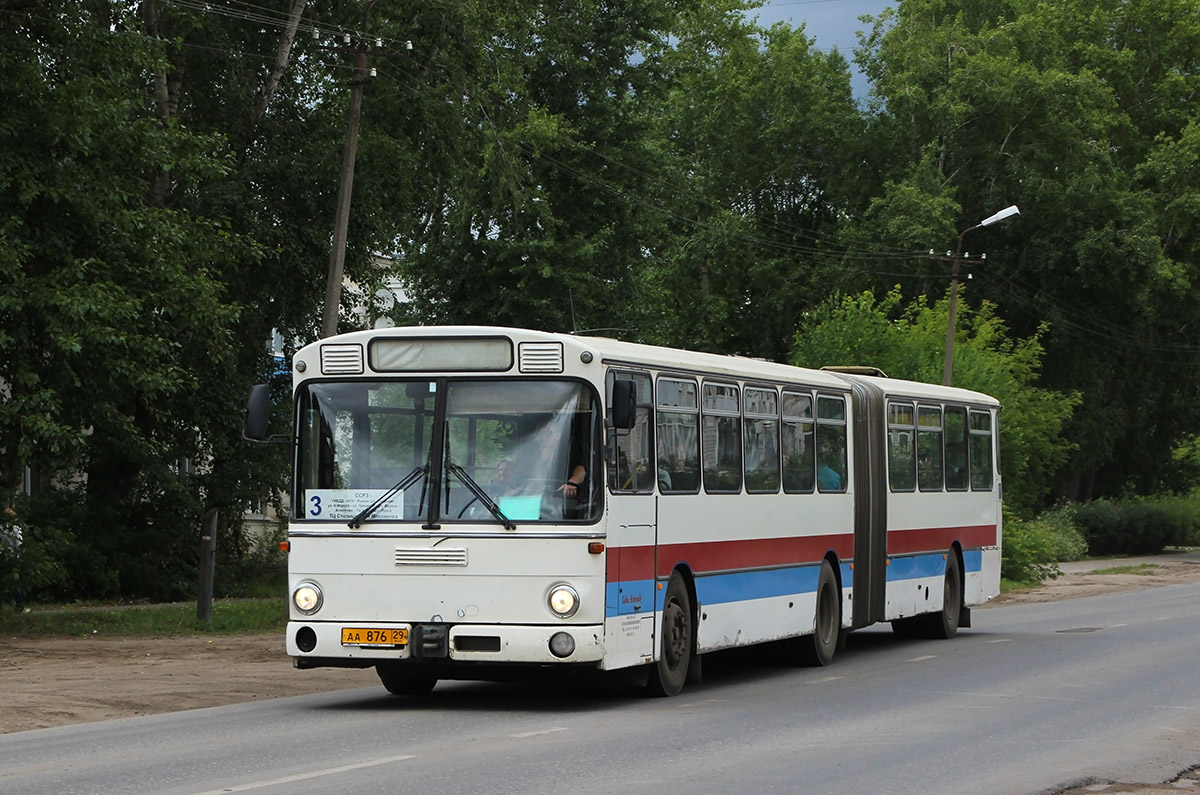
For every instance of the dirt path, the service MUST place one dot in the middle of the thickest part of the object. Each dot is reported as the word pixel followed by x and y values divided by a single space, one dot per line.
pixel 57 681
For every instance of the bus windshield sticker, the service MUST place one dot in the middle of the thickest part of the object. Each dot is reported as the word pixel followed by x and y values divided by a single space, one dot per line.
pixel 525 507
pixel 334 504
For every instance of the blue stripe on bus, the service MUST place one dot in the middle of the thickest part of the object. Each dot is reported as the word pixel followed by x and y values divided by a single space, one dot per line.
pixel 630 593
pixel 973 560
pixel 761 584
pixel 724 588
pixel 912 567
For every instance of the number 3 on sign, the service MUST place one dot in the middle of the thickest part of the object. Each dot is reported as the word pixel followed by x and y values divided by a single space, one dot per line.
pixel 316 506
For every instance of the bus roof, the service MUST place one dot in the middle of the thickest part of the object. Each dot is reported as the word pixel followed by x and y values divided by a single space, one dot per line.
pixel 619 352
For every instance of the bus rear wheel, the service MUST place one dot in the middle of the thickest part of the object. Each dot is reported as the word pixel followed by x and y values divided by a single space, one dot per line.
pixel 944 625
pixel 401 680
pixel 670 671
pixel 819 647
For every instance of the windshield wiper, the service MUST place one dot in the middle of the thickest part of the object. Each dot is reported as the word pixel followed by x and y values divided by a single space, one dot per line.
pixel 404 483
pixel 480 495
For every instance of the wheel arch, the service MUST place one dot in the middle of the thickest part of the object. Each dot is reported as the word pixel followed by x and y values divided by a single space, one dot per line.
pixel 689 581
pixel 957 551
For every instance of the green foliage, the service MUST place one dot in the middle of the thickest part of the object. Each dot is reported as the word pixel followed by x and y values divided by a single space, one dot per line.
pixel 1141 569
pixel 1028 553
pixel 909 343
pixel 229 617
pixel 252 566
pixel 668 168
pixel 1074 111
pixel 1184 473
pixel 1139 526
pixel 1060 526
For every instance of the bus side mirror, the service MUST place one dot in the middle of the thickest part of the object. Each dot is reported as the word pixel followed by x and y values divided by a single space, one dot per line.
pixel 624 404
pixel 256 413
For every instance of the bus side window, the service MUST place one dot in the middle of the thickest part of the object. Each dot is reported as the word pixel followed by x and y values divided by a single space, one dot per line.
pixel 956 448
pixel 633 469
pixel 901 443
pixel 929 448
pixel 831 443
pixel 678 434
pixel 722 439
pixel 762 440
pixel 799 443
pixel 981 451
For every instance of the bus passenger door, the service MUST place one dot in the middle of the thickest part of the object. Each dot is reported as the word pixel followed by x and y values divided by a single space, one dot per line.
pixel 632 521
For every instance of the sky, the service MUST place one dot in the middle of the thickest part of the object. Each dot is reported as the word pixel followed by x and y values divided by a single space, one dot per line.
pixel 833 23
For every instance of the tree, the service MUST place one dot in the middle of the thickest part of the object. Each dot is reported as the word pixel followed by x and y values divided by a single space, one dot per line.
pixel 763 139
pixel 907 342
pixel 1068 109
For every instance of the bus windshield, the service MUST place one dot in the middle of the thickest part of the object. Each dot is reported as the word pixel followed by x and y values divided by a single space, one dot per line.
pixel 452 450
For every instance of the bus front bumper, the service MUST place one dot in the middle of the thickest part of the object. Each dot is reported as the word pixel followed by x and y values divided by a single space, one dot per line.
pixel 361 644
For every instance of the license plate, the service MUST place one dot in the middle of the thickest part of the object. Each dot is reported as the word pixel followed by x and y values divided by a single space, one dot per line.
pixel 361 636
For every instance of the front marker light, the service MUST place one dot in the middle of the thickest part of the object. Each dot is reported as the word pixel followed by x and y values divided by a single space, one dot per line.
pixel 307 598
pixel 563 601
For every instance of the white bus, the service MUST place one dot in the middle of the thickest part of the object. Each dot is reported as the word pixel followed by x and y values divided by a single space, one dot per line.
pixel 477 503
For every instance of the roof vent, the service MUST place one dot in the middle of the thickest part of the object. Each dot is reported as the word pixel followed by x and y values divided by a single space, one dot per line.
pixel 342 359
pixel 541 357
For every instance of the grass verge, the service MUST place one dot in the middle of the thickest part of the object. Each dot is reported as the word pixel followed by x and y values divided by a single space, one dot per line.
pixel 229 617
pixel 1140 568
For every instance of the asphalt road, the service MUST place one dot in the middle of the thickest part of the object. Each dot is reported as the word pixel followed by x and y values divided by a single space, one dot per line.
pixel 1035 697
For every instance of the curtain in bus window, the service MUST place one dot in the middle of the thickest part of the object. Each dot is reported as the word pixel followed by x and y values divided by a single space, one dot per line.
pixel 678 426
pixel 762 440
pixel 929 448
pixel 956 448
pixel 831 444
pixel 981 451
pixel 721 439
pixel 901 440
pixel 798 443
pixel 520 442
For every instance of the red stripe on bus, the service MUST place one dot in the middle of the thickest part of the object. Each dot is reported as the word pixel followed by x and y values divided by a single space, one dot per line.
pixel 637 563
pixel 939 539
pixel 753 553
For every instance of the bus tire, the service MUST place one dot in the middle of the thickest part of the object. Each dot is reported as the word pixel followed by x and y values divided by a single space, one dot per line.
pixel 670 670
pixel 819 647
pixel 400 680
pixel 944 625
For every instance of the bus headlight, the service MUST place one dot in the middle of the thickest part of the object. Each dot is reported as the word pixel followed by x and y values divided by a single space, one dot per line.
pixel 563 600
pixel 308 598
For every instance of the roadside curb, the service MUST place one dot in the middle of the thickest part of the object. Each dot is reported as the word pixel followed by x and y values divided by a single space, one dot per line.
pixel 1188 555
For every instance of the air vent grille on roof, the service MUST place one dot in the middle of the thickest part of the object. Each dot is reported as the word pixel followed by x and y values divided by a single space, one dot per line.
pixel 541 357
pixel 426 556
pixel 342 359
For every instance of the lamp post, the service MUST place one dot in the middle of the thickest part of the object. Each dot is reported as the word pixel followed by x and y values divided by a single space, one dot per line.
pixel 948 365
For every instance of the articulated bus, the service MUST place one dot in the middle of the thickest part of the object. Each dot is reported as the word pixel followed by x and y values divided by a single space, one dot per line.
pixel 481 503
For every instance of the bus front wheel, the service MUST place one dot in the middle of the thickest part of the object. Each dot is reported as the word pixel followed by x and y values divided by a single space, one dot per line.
pixel 675 643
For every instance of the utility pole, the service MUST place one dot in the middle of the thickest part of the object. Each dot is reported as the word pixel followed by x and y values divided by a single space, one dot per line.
pixel 957 258
pixel 337 256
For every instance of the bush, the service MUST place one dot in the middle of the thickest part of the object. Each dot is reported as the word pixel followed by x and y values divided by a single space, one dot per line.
pixel 1028 552
pixel 1062 530
pixel 252 565
pixel 1141 526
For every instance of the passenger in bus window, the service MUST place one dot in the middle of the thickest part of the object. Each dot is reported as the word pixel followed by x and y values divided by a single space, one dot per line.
pixel 504 483
pixel 828 478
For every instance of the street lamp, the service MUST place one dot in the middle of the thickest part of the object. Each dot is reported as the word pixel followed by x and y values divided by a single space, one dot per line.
pixel 948 366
